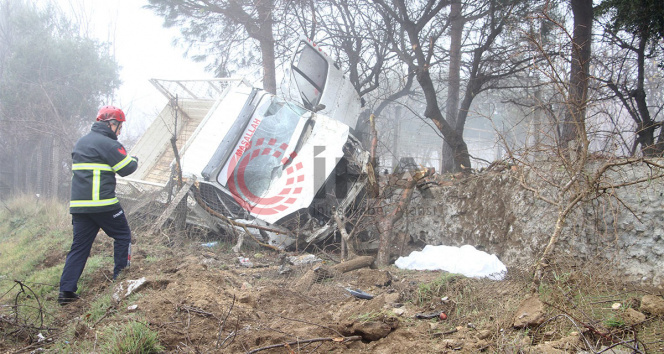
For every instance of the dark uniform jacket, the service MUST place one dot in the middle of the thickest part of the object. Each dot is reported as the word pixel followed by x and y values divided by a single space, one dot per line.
pixel 97 157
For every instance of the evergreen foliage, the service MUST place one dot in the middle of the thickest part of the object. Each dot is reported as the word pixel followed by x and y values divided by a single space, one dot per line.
pixel 52 82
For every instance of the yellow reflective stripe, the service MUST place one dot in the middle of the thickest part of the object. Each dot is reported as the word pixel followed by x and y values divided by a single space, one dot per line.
pixel 93 203
pixel 96 169
pixel 96 174
pixel 91 166
pixel 123 163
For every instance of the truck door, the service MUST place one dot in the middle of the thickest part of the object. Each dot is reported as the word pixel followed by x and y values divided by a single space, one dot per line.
pixel 322 86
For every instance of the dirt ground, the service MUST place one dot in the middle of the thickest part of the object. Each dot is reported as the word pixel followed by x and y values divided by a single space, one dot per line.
pixel 202 299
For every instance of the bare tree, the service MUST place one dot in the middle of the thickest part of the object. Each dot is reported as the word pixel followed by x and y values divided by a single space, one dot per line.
pixel 635 28
pixel 224 27
pixel 568 180
pixel 488 60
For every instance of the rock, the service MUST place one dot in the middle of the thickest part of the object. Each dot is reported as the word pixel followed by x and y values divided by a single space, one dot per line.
pixel 454 344
pixel 399 311
pixel 653 305
pixel 569 344
pixel 484 334
pixel 370 331
pixel 246 286
pixel 530 313
pixel 632 317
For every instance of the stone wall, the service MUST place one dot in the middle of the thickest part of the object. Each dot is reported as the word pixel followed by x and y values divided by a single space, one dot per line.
pixel 622 228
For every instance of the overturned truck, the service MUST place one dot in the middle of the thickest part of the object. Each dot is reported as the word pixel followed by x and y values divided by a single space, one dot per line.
pixel 234 158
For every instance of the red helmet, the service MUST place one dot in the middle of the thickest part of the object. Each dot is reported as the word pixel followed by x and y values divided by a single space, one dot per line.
pixel 110 113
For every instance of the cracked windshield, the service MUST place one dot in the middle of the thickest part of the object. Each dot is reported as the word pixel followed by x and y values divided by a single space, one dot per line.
pixel 265 142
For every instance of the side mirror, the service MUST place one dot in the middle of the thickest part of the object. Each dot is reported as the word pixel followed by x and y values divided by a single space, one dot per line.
pixel 319 107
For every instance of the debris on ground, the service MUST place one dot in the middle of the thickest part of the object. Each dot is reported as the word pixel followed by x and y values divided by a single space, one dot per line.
pixel 465 260
pixel 126 288
pixel 360 294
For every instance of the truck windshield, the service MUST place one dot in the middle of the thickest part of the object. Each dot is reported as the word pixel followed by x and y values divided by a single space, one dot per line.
pixel 258 158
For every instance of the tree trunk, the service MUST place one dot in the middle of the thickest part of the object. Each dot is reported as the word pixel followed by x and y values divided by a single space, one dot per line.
pixel 454 81
pixel 266 39
pixel 579 72
pixel 646 127
pixel 37 172
pixel 355 263
pixel 432 111
pixel 55 168
pixel 659 145
pixel 396 132
pixel 386 222
pixel 269 71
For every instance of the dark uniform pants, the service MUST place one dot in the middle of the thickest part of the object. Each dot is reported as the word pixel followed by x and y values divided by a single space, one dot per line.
pixel 86 227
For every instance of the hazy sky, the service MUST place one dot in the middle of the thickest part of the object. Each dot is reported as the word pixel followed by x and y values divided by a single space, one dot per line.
pixel 142 47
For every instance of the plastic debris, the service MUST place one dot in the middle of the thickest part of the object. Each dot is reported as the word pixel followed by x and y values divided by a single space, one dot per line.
pixel 210 244
pixel 245 262
pixel 304 259
pixel 426 316
pixel 360 294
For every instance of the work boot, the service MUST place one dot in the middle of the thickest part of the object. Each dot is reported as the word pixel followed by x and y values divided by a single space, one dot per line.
pixel 65 297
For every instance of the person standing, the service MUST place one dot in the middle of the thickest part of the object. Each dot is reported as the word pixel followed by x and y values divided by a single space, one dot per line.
pixel 96 158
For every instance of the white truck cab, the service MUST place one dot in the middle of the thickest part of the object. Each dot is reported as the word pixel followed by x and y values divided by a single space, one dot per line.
pixel 261 159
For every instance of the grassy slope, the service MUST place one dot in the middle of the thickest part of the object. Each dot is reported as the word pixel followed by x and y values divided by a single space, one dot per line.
pixel 35 236
pixel 32 233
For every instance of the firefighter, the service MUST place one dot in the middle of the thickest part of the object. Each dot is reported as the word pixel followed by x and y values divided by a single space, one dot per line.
pixel 96 158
